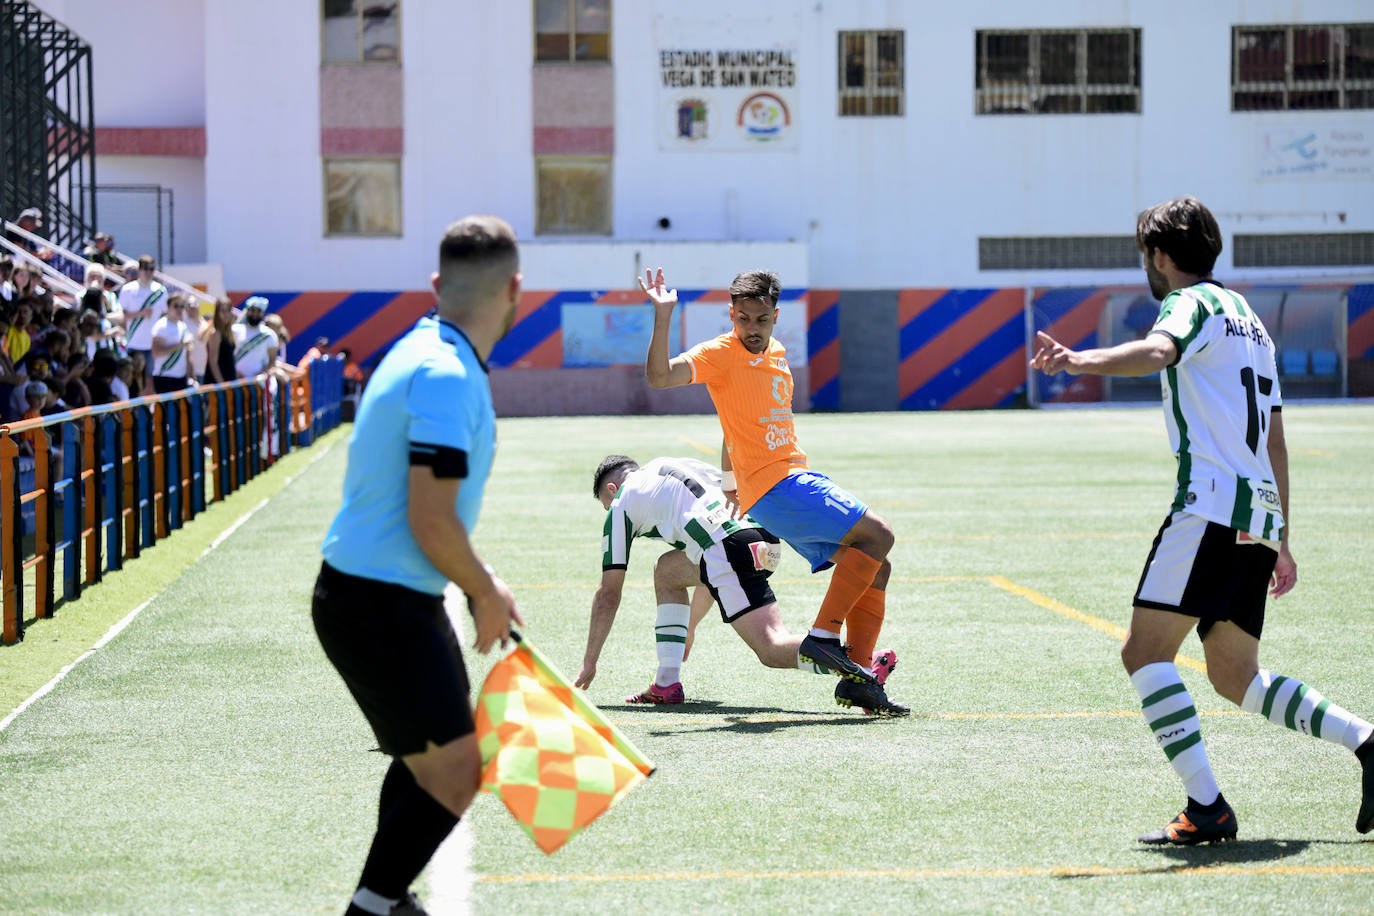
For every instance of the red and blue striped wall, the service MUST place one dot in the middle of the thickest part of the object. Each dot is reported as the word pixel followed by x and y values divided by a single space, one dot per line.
pixel 1071 316
pixel 1359 338
pixel 957 348
pixel 823 347
pixel 961 348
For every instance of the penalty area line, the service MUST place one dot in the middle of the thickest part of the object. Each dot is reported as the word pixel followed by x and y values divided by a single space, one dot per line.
pixel 128 618
pixel 698 446
pixel 1097 623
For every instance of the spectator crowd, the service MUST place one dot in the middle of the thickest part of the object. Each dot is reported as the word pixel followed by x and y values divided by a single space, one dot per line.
pixel 126 334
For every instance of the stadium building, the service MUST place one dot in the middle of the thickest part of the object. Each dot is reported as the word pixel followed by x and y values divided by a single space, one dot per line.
pixel 934 181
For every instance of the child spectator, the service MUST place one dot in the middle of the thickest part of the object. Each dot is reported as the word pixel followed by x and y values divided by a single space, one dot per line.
pixel 17 340
pixel 123 378
pixel 77 393
pixel 138 373
pixel 10 377
pixel 23 282
pixel 35 399
pixel 100 380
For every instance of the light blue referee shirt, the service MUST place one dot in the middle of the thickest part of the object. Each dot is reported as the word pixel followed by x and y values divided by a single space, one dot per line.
pixel 430 393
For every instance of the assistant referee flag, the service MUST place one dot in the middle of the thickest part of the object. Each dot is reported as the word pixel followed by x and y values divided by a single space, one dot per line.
pixel 550 756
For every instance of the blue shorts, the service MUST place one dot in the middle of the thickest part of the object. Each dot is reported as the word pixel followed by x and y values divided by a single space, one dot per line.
pixel 810 513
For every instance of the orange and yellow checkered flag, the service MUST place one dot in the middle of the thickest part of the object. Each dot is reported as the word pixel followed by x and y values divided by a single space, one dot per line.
pixel 548 754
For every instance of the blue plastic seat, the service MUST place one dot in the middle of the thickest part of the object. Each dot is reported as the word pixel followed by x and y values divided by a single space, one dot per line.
pixel 1293 362
pixel 1325 362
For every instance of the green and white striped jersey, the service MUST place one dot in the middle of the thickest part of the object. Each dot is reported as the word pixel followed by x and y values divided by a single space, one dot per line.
pixel 169 332
pixel 253 349
pixel 1217 400
pixel 676 500
pixel 134 298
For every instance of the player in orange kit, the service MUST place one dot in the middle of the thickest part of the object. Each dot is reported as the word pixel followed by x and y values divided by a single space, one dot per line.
pixel 747 376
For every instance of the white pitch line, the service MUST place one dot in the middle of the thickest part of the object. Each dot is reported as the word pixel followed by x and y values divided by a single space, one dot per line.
pixel 115 630
pixel 450 874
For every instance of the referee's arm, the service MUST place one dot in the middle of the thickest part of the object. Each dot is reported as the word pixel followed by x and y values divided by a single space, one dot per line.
pixel 434 523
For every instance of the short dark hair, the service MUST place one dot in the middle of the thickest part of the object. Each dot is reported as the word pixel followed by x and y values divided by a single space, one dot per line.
pixel 757 284
pixel 1185 230
pixel 608 466
pixel 477 255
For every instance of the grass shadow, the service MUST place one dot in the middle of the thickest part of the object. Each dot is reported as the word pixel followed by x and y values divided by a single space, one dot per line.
pixel 743 726
pixel 1236 852
pixel 701 708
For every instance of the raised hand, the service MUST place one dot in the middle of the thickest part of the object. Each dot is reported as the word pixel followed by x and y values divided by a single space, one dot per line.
pixel 657 290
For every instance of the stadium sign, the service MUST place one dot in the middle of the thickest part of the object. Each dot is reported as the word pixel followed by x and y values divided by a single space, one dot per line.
pixel 727 100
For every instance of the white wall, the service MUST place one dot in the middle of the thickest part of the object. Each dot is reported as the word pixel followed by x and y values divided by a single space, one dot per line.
pixel 147 58
pixel 881 202
pixel 686 265
pixel 186 179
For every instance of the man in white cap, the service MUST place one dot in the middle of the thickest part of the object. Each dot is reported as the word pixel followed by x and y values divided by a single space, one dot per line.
pixel 255 344
pixel 30 220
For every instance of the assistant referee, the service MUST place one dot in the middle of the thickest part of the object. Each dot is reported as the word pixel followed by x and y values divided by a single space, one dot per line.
pixel 418 460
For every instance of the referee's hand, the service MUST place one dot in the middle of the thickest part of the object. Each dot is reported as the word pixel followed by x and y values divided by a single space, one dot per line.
pixel 492 614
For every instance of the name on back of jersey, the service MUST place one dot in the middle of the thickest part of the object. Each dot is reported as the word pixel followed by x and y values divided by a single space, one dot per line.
pixel 1244 327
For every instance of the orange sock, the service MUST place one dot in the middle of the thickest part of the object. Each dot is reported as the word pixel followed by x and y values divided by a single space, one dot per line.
pixel 864 624
pixel 852 576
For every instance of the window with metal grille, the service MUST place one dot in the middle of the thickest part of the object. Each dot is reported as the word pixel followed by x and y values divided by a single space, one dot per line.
pixel 361 32
pixel 1063 252
pixel 1057 71
pixel 572 30
pixel 1287 67
pixel 872 73
pixel 1315 249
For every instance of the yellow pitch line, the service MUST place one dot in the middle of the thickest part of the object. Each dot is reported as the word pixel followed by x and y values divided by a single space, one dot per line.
pixel 698 446
pixel 927 873
pixel 1097 623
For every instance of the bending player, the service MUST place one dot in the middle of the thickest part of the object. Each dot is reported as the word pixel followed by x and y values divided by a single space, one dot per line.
pixel 679 501
pixel 747 376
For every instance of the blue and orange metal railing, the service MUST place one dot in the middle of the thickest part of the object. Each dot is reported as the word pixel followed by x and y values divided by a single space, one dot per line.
pixel 123 476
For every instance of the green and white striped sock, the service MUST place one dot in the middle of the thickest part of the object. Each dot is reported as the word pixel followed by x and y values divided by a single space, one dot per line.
pixel 670 636
pixel 1169 709
pixel 1292 704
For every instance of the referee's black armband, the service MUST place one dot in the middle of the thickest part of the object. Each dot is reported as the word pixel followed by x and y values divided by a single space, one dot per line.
pixel 447 462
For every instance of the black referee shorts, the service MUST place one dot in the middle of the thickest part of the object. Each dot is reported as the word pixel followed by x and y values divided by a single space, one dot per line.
pixel 399 656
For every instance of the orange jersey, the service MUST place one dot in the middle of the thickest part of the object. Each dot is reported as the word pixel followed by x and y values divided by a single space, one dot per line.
pixel 753 398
